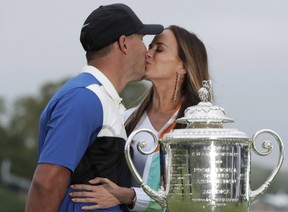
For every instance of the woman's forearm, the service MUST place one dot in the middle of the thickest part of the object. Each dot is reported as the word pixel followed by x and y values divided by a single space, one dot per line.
pixel 104 191
pixel 124 195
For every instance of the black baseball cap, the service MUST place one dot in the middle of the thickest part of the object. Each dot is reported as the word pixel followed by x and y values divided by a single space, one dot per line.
pixel 107 23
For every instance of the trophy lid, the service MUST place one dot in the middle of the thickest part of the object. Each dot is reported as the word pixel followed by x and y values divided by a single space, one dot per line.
pixel 205 114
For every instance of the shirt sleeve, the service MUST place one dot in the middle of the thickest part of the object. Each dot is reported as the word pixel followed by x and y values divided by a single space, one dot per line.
pixel 144 202
pixel 74 122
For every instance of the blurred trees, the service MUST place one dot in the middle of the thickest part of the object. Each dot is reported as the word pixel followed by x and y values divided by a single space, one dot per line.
pixel 133 93
pixel 19 135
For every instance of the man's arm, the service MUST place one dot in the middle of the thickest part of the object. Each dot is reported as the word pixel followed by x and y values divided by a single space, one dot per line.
pixel 48 188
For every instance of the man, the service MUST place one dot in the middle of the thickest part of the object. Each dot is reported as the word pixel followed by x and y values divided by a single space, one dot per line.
pixel 81 131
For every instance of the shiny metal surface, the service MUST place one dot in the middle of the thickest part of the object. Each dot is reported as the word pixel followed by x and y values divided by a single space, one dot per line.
pixel 207 176
pixel 207 167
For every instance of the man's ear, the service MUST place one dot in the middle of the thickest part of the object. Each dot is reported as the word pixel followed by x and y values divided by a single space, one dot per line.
pixel 122 44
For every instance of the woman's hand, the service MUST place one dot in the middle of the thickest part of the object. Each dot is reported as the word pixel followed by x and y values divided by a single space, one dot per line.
pixel 101 192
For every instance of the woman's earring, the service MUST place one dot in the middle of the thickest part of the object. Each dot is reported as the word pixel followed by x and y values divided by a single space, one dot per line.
pixel 176 87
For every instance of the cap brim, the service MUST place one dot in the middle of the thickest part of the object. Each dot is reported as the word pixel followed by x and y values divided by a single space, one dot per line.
pixel 151 29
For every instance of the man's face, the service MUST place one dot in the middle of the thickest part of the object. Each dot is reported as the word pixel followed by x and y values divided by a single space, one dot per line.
pixel 138 56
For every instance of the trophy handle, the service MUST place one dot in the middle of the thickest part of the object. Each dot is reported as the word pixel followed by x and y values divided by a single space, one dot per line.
pixel 159 196
pixel 267 145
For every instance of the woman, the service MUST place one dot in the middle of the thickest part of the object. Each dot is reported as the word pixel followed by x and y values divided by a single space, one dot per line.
pixel 176 65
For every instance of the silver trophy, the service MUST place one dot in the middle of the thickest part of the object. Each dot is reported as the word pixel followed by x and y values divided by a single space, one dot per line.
pixel 207 167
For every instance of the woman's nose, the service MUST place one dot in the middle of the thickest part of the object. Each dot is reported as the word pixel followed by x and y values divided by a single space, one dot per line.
pixel 148 54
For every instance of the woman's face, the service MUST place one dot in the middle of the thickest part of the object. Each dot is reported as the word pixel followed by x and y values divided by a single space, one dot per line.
pixel 162 61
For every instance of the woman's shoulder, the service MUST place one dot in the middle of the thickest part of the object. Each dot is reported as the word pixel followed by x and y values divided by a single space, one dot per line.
pixel 128 112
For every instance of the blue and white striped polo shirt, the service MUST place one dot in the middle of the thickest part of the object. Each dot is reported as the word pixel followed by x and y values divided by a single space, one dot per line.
pixel 82 129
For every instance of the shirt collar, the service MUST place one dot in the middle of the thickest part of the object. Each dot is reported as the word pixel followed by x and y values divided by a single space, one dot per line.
pixel 108 86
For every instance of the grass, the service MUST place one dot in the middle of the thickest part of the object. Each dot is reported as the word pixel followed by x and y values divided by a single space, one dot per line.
pixel 11 201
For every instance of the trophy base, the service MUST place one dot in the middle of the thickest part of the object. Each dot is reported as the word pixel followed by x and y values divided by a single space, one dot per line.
pixel 175 205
